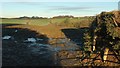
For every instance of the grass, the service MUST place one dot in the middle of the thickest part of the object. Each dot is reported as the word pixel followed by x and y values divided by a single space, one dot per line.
pixel 31 21
pixel 77 22
pixel 24 21
pixel 41 22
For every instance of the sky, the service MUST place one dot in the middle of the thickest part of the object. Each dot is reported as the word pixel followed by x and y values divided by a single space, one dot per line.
pixel 50 9
pixel 59 0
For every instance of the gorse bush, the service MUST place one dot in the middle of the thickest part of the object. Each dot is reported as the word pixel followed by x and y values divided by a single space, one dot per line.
pixel 77 22
pixel 104 32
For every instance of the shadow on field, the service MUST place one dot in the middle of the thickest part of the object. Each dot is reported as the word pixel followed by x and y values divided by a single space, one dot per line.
pixel 16 52
pixel 5 25
pixel 75 34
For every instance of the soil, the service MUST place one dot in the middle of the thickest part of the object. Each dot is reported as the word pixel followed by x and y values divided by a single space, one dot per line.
pixel 60 46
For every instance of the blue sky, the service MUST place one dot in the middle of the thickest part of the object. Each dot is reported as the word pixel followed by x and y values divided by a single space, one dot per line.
pixel 50 9
pixel 59 0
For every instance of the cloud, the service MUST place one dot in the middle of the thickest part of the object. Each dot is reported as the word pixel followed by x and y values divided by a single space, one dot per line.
pixel 24 3
pixel 64 12
pixel 70 8
pixel 62 9
pixel 74 8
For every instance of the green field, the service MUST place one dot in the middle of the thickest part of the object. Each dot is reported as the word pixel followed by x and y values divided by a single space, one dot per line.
pixel 31 21
pixel 73 22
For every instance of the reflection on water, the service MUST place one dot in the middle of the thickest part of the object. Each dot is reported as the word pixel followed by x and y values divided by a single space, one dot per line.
pixel 58 45
pixel 31 40
pixel 44 50
pixel 6 37
pixel 53 45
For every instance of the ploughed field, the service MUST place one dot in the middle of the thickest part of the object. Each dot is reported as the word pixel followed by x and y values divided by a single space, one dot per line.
pixel 49 45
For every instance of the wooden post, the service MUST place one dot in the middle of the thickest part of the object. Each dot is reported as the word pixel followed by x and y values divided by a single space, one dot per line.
pixel 105 54
pixel 94 43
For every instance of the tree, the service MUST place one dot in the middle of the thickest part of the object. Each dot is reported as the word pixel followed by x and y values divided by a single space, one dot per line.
pixel 104 33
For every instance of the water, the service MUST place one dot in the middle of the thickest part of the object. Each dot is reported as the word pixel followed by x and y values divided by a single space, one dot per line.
pixel 44 52
pixel 6 37
pixel 59 44
pixel 31 40
pixel 16 30
pixel 39 39
pixel 64 44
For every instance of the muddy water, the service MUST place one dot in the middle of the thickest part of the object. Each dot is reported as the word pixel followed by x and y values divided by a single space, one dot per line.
pixel 54 45
pixel 27 48
pixel 41 53
pixel 52 48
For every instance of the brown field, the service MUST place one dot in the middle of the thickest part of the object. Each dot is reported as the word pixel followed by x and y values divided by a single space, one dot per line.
pixel 51 31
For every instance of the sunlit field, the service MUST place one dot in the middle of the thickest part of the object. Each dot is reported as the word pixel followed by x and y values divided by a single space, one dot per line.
pixel 73 22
